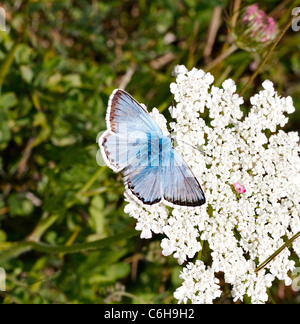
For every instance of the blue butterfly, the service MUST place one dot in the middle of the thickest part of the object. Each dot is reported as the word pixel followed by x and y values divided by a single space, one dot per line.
pixel 154 172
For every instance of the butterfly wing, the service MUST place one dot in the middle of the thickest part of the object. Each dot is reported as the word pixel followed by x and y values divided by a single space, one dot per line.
pixel 130 127
pixel 120 151
pixel 144 179
pixel 145 183
pixel 125 115
pixel 166 179
pixel 181 187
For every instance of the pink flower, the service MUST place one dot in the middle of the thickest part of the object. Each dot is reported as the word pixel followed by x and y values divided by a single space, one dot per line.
pixel 239 188
pixel 256 27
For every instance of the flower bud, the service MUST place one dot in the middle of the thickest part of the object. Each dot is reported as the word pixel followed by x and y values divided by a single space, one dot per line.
pixel 254 29
pixel 239 188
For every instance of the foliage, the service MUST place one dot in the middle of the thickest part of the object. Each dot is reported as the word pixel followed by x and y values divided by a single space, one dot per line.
pixel 59 62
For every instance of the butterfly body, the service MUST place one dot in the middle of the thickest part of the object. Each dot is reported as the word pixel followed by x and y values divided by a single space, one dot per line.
pixel 154 172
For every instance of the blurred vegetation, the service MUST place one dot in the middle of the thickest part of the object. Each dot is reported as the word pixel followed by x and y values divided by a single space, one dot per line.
pixel 59 62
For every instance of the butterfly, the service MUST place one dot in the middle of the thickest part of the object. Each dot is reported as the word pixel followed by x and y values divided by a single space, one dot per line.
pixel 154 172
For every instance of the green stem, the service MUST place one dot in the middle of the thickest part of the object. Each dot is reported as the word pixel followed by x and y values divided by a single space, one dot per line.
pixel 83 247
pixel 274 255
pixel 88 185
pixel 26 246
pixel 42 226
pixel 14 249
pixel 6 64
pixel 270 51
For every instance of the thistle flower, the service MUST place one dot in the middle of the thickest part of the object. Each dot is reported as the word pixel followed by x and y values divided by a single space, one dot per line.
pixel 254 30
pixel 240 230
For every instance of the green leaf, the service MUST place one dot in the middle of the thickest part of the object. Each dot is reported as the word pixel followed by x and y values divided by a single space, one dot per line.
pixel 8 100
pixel 26 73
pixel 97 220
pixel 19 206
pixel 111 274
pixel 72 81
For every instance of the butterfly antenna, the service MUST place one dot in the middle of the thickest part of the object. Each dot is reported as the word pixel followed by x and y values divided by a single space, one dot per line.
pixel 174 137
pixel 193 147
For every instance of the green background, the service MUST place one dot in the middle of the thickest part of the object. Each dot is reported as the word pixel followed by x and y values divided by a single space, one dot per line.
pixel 59 62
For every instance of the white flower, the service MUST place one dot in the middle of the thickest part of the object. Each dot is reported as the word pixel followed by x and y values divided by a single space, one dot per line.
pixel 199 285
pixel 160 120
pixel 149 218
pixel 229 85
pixel 179 69
pixel 242 229
pixel 182 234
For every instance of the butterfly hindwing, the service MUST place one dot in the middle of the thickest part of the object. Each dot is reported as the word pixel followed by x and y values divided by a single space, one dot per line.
pixel 145 179
pixel 181 187
pixel 166 178
pixel 145 183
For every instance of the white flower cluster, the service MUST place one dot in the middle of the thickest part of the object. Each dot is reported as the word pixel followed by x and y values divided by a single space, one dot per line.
pixel 241 230
pixel 199 284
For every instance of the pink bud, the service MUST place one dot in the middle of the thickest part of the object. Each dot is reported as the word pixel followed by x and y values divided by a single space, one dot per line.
pixel 239 188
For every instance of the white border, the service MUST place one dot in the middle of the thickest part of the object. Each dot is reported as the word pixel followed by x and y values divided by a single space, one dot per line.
pixel 105 158
pixel 107 118
pixel 162 202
